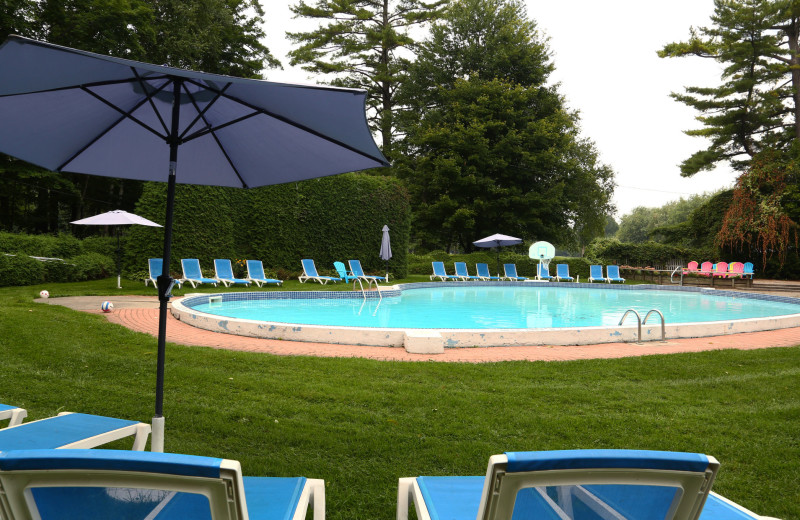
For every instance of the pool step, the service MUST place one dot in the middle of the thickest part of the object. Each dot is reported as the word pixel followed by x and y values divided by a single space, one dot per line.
pixel 422 341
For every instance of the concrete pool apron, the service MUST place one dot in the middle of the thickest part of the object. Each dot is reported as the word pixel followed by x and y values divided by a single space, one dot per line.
pixel 429 341
pixel 140 313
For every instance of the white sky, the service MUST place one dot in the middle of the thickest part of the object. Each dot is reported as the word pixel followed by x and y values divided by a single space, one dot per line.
pixel 605 57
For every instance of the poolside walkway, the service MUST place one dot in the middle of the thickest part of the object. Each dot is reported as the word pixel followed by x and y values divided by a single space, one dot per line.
pixel 140 313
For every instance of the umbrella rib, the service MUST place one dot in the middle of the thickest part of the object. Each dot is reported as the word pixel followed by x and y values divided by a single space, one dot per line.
pixel 108 129
pixel 201 113
pixel 259 110
pixel 81 86
pixel 150 99
pixel 129 114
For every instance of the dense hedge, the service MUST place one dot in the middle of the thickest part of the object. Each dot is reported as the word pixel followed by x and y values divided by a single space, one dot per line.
pixel 646 254
pixel 76 260
pixel 327 219
pixel 421 264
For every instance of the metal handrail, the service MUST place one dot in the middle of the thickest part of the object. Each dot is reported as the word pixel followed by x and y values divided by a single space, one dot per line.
pixel 671 276
pixel 363 293
pixel 663 325
pixel 638 322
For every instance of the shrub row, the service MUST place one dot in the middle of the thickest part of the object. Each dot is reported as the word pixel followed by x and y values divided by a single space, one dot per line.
pixel 653 254
pixel 23 270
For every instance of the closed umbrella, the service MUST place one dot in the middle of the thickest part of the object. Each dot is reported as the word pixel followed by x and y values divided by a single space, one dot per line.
pixel 386 249
pixel 116 218
pixel 75 111
pixel 497 240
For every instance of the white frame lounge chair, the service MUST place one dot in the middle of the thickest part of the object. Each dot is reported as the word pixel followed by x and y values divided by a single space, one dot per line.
pixel 463 273
pixel 613 276
pixel 596 274
pixel 223 270
pixel 255 274
pixel 358 272
pixel 484 273
pixel 50 484
pixel 14 414
pixel 194 275
pixel 154 267
pixel 510 273
pixel 565 275
pixel 441 273
pixel 548 483
pixel 310 273
pixel 72 430
pixel 543 275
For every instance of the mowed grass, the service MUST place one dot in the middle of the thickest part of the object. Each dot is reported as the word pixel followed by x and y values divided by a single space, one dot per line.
pixel 361 424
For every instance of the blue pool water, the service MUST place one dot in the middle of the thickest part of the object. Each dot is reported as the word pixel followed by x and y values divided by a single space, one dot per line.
pixel 496 307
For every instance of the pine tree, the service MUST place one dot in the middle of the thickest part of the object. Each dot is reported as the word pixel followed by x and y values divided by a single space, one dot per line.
pixel 757 105
pixel 364 44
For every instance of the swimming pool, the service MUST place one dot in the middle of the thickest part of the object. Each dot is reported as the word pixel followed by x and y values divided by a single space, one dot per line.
pixel 488 313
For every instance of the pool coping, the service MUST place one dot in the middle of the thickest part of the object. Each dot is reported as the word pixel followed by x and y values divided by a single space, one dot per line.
pixel 434 341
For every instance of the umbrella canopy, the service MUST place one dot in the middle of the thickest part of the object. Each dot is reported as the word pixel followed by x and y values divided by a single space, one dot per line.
pixel 498 240
pixel 116 217
pixel 386 249
pixel 71 110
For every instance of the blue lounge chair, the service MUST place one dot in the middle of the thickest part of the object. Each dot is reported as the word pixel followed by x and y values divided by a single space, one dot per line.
pixel 748 270
pixel 72 430
pixel 224 271
pixel 193 274
pixel 355 267
pixel 14 414
pixel 562 484
pixel 310 273
pixel 72 484
pixel 510 272
pixel 343 273
pixel 596 274
pixel 483 272
pixel 439 272
pixel 543 272
pixel 612 274
pixel 255 274
pixel 154 267
pixel 562 273
pixel 463 274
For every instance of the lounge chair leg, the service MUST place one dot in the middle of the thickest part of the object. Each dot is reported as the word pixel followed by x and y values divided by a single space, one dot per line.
pixel 404 497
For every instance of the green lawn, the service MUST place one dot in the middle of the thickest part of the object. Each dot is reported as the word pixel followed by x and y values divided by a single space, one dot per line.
pixel 361 424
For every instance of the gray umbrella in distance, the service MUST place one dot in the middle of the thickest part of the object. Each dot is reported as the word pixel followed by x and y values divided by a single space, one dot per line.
pixel 497 240
pixel 386 249
pixel 69 110
pixel 116 218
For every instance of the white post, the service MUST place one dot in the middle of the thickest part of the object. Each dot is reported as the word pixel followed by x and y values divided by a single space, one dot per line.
pixel 157 439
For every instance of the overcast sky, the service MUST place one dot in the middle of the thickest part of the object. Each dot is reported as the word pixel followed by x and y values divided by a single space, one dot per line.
pixel 605 58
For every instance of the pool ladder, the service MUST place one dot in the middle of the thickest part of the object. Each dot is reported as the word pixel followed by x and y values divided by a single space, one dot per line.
pixel 640 322
pixel 370 281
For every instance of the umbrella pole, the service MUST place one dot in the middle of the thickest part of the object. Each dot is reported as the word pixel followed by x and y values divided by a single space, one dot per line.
pixel 164 281
pixel 119 262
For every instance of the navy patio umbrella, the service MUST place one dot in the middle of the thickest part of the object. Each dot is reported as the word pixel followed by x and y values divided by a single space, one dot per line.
pixel 69 110
pixel 497 240
pixel 386 248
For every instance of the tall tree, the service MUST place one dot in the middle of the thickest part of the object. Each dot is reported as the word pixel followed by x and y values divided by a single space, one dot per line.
pixel 757 104
pixel 363 44
pixel 488 146
pixel 17 17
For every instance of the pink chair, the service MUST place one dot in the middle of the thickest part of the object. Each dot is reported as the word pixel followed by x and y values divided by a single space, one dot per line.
pixel 735 270
pixel 690 268
pixel 706 269
pixel 721 270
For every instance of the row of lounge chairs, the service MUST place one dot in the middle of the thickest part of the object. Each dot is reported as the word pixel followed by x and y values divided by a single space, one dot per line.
pixel 510 273
pixel 356 272
pixel 223 270
pixel 721 269
pixel 38 480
